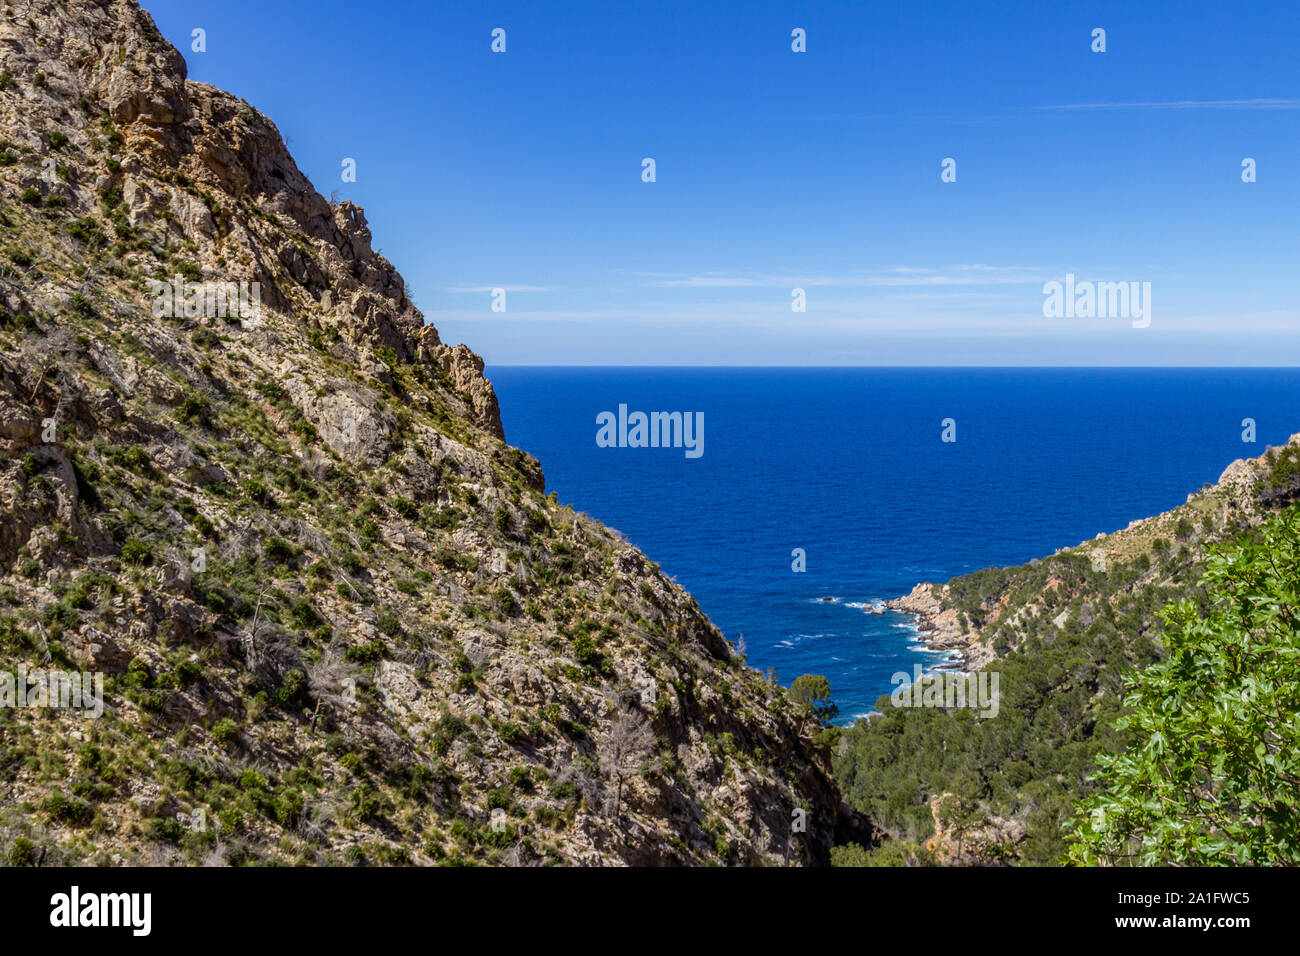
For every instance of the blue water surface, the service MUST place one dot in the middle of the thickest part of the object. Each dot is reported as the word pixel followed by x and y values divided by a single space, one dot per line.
pixel 848 465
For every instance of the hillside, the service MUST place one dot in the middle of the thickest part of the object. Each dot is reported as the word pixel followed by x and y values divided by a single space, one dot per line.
pixel 1060 631
pixel 339 619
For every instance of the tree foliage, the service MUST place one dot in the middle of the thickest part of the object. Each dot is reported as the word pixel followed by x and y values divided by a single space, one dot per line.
pixel 814 691
pixel 1061 688
pixel 1213 773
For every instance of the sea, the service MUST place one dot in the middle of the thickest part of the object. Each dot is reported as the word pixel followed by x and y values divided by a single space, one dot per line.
pixel 817 492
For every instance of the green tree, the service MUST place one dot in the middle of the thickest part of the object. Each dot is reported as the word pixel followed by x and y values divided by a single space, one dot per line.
pixel 814 692
pixel 889 853
pixel 1213 775
pixel 962 818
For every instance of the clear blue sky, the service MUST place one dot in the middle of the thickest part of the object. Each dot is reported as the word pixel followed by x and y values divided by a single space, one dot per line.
pixel 819 170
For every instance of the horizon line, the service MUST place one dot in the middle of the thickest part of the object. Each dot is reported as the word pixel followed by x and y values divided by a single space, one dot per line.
pixel 1223 368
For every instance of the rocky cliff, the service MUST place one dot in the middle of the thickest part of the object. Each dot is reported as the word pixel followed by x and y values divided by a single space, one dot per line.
pixel 339 618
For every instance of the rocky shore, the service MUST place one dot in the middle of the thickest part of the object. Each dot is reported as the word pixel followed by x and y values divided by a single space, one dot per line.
pixel 939 629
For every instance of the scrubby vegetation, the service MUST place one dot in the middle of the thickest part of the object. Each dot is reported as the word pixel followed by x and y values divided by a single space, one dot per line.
pixel 1212 773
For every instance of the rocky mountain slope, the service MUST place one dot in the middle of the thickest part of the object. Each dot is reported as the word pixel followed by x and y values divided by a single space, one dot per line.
pixel 1060 631
pixel 339 617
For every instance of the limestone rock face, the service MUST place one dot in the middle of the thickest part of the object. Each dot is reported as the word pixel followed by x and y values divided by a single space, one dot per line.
pixel 465 369
pixel 221 147
pixel 346 417
pixel 340 609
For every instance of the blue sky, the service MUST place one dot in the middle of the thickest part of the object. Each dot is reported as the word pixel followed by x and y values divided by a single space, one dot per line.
pixel 818 170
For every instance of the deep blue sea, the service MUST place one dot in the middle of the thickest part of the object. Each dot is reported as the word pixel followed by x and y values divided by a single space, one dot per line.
pixel 848 465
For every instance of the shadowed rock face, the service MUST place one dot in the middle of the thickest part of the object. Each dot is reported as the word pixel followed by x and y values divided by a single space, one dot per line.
pixel 338 614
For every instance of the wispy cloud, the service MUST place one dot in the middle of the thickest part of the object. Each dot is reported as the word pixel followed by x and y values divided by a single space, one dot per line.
pixel 1028 114
pixel 857 320
pixel 1255 104
pixel 893 277
pixel 471 289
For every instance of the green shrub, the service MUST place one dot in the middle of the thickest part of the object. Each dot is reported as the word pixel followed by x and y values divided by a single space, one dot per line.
pixel 225 731
pixel 250 779
pixel 390 855
pixel 293 693
pixel 366 653
pixel 65 810
pixel 1210 775
pixel 512 733
pixel 305 615
pixel 521 778
pixel 134 459
pixel 366 803
pixel 82 305
pixel 287 806
pixel 187 672
pixel 194 408
pixel 87 232
pixel 137 552
pixel 257 490
pixel 164 829
pixel 23 852
pixel 584 650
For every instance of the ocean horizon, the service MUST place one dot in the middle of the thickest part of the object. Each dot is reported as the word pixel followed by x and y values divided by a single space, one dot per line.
pixel 849 465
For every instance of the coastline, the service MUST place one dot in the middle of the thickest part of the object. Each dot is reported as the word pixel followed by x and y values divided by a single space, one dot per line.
pixel 938 629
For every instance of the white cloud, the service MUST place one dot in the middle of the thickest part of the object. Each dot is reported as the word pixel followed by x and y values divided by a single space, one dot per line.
pixel 1255 104
pixel 895 276
pixel 486 289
